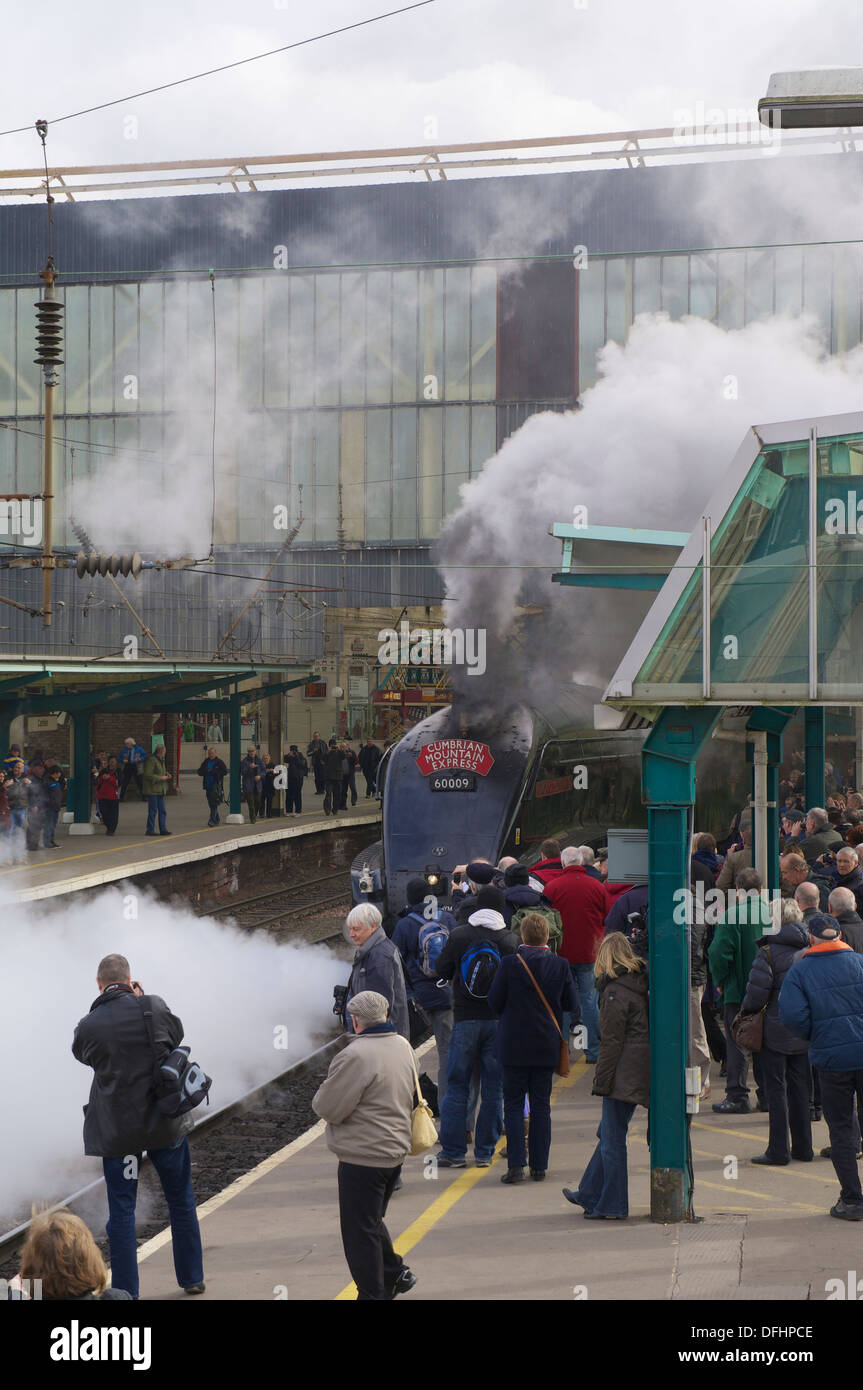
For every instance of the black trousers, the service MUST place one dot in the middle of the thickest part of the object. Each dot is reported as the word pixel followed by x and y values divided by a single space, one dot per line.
pixel 839 1091
pixel 363 1197
pixel 294 797
pixel 715 1035
pixel 333 796
pixel 786 1083
pixel 110 813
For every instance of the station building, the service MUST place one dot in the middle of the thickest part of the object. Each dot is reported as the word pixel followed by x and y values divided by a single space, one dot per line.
pixel 355 357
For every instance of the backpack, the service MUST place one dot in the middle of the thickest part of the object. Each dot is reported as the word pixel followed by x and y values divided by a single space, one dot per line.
pixel 479 965
pixel 433 936
pixel 551 915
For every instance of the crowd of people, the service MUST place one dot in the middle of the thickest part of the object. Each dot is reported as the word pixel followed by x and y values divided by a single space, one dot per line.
pixel 521 967
pixel 33 790
pixel 32 794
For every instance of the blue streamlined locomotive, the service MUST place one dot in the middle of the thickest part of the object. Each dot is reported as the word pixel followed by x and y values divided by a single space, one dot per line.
pixel 457 788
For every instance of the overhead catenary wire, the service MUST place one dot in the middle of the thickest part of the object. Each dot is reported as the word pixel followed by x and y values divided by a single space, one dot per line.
pixel 226 67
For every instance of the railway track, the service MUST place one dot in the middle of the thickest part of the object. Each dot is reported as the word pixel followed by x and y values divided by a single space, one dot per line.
pixel 225 1143
pixel 261 912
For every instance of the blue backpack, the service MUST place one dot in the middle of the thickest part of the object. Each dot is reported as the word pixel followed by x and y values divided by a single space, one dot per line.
pixel 433 936
pixel 479 965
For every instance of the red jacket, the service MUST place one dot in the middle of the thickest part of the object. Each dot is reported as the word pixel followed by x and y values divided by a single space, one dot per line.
pixel 546 870
pixel 583 904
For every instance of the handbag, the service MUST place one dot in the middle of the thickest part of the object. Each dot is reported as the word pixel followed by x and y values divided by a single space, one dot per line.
pixel 423 1131
pixel 747 1029
pixel 562 1068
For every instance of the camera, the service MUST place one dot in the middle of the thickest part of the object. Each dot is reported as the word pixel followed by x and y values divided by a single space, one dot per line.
pixel 340 999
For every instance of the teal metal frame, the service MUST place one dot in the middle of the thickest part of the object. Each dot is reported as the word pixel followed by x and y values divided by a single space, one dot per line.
pixel 815 725
pixel 772 721
pixel 668 790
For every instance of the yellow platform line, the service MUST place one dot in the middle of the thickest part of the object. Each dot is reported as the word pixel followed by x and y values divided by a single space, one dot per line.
pixel 456 1190
pixel 112 849
pixel 762 1196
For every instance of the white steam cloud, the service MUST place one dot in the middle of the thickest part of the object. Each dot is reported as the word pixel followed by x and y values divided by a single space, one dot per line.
pixel 647 450
pixel 231 990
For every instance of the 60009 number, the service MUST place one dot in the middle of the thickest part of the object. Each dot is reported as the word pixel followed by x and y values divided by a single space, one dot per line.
pixel 453 781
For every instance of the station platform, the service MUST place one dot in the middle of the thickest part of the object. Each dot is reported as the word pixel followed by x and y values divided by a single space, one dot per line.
pixel 90 861
pixel 765 1234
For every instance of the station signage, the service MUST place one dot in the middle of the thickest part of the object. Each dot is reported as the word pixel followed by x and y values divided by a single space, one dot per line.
pixel 461 753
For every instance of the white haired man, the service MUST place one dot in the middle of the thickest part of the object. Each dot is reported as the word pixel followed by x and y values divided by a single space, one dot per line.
pixel 807 897
pixel 366 1100
pixel 842 905
pixel 583 903
pixel 377 964
pixel 820 838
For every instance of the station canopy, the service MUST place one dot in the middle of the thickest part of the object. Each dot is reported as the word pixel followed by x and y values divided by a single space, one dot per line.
pixel 763 603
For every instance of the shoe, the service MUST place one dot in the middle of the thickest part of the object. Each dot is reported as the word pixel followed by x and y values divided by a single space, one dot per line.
pixel 54 845
pixel 732 1107
pixel 452 1163
pixel 483 1163
pixel 801 1158
pixel 827 1153
pixel 196 1288
pixel 405 1282
pixel 573 1197
pixel 770 1162
pixel 847 1211
pixel 596 1216
pixel 723 1070
pixel 150 832
pixel 705 1091
pixel 513 1175
pixel 538 1174
pixel 166 832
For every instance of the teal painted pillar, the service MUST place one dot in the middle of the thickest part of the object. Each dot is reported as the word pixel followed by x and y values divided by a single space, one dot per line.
pixel 771 721
pixel 668 790
pixel 772 824
pixel 78 800
pixel 6 716
pixel 235 736
pixel 815 753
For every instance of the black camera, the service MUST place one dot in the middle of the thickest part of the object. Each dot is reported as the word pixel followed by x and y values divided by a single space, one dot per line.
pixel 340 999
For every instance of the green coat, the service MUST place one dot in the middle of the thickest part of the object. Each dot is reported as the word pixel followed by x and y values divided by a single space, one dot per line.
pixel 156 777
pixel 734 945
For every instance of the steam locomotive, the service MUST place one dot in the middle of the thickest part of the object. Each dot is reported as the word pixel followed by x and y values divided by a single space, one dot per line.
pixel 457 788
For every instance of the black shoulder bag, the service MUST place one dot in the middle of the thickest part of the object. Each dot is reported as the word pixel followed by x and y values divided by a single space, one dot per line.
pixel 180 1085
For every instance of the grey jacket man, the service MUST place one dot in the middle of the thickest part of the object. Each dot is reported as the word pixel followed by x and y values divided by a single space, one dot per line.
pixel 367 1099
pixel 378 966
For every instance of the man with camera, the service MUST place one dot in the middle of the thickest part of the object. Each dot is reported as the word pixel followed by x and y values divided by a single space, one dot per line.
pixel 123 1119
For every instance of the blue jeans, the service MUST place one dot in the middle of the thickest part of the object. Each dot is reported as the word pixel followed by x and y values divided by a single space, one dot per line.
pixel 154 804
pixel 174 1166
pixel 535 1083
pixel 50 827
pixel 604 1186
pixel 471 1041
pixel 585 987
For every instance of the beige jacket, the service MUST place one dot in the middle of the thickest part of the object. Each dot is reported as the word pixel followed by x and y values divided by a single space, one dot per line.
pixel 367 1100
pixel 738 860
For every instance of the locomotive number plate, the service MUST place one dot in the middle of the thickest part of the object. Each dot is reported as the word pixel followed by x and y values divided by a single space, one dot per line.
pixel 452 781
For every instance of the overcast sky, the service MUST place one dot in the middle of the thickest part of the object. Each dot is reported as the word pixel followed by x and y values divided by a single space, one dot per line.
pixel 482 69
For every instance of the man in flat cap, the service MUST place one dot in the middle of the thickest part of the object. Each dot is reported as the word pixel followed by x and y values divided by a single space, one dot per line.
pixel 366 1100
